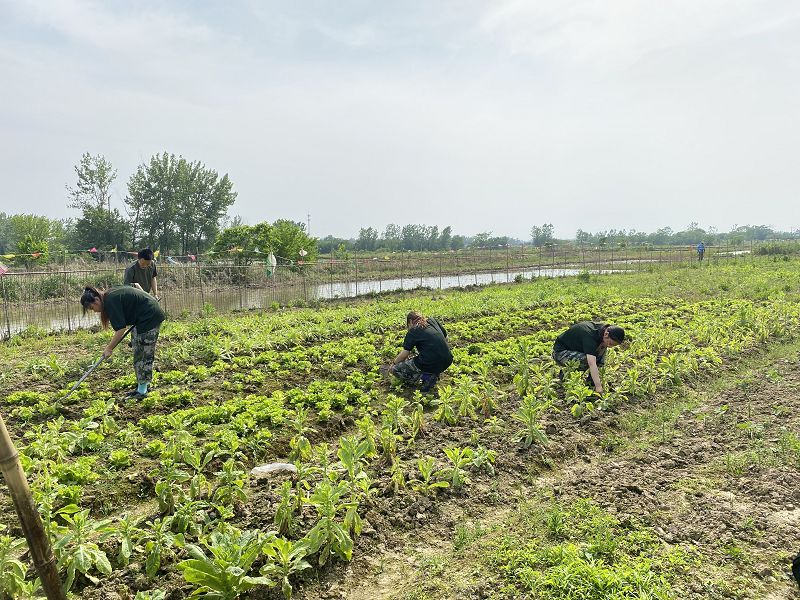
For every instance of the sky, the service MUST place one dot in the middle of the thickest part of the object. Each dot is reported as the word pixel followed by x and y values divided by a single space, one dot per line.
pixel 486 116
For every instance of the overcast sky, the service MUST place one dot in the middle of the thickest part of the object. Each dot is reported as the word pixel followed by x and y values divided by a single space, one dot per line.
pixel 487 116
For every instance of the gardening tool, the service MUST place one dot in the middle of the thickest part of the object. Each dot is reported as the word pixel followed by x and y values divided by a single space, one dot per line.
pixel 92 368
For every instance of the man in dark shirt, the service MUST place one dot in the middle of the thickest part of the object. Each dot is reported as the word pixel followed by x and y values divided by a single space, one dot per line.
pixel 429 338
pixel 142 274
pixel 587 342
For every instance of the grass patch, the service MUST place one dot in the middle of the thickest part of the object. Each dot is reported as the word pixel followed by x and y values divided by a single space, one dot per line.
pixel 578 550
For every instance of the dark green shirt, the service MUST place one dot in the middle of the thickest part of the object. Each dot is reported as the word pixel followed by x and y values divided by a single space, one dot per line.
pixel 144 277
pixel 433 352
pixel 582 337
pixel 127 306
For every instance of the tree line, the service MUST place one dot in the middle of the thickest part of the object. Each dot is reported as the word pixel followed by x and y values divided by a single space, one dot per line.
pixel 172 204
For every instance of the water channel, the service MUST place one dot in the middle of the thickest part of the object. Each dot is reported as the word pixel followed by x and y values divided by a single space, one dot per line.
pixel 58 316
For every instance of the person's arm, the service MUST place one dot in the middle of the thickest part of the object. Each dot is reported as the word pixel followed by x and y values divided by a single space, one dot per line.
pixel 117 337
pixel 404 354
pixel 154 287
pixel 594 372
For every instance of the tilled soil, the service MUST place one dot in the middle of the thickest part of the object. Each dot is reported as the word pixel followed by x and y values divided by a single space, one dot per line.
pixel 722 481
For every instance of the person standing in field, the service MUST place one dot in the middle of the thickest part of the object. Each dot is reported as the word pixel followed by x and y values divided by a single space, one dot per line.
pixel 142 274
pixel 429 338
pixel 123 307
pixel 701 249
pixel 587 342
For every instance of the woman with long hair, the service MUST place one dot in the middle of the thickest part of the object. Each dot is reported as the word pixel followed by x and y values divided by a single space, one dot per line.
pixel 124 307
pixel 429 338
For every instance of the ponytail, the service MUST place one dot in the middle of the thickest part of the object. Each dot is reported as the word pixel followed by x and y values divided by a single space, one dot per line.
pixel 415 319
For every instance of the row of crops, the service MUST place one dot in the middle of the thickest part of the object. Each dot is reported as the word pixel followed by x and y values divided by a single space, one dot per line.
pixel 155 496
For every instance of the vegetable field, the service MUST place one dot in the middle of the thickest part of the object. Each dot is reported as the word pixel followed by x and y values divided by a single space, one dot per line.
pixel 681 481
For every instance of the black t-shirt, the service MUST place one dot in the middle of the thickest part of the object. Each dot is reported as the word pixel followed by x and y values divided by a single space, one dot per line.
pixel 582 337
pixel 144 277
pixel 130 306
pixel 433 352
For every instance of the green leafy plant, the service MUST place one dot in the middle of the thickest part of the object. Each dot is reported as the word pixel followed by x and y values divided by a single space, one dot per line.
pixel 529 413
pixel 329 536
pixel 159 543
pixel 222 573
pixel 284 559
pixel 285 519
pixel 428 482
pixel 120 459
pixel 12 570
pixel 77 550
pixel 460 458
pixel 445 410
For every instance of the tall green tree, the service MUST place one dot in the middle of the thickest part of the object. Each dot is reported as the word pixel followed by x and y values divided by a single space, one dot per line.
pixel 542 234
pixel 367 239
pixel 99 225
pixel 176 205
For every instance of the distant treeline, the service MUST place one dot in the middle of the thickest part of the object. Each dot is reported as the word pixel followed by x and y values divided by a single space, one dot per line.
pixel 430 238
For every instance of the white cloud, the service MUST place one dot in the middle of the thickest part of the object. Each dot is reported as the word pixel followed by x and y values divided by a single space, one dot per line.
pixel 584 114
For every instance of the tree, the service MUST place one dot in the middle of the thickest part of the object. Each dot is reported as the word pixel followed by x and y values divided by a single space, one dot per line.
pixel 240 242
pixel 99 228
pixel 93 188
pixel 288 238
pixel 30 234
pixel 445 238
pixel 284 238
pixel 176 205
pixel 480 239
pixel 33 251
pixel 367 239
pixel 392 237
pixel 541 236
pixel 99 225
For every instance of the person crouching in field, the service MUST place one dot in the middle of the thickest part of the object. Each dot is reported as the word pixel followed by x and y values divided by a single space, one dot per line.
pixel 587 342
pixel 429 338
pixel 122 307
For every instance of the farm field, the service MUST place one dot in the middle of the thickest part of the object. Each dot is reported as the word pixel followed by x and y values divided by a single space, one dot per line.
pixel 682 481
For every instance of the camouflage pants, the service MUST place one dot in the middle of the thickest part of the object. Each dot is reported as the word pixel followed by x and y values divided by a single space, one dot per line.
pixel 144 351
pixel 408 372
pixel 565 356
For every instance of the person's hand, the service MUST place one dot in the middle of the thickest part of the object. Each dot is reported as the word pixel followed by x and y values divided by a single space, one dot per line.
pixel 598 389
pixel 391 368
pixel 107 352
pixel 137 286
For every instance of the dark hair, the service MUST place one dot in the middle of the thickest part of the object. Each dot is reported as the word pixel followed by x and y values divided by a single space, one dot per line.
pixel 146 254
pixel 616 333
pixel 415 319
pixel 90 294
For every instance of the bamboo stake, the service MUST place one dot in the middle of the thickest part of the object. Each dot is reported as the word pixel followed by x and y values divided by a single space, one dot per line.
pixel 31 522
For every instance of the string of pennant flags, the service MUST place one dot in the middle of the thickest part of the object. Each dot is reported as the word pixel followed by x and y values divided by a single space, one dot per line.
pixel 270 258
pixel 156 253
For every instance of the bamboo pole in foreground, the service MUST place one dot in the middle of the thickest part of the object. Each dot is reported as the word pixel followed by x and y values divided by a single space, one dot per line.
pixel 31 522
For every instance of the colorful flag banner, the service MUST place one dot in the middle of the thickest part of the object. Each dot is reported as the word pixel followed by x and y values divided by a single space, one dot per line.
pixel 93 250
pixel 172 261
pixel 7 256
pixel 3 269
pixel 193 257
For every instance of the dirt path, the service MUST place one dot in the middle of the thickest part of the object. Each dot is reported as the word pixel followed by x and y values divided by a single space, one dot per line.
pixel 718 476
